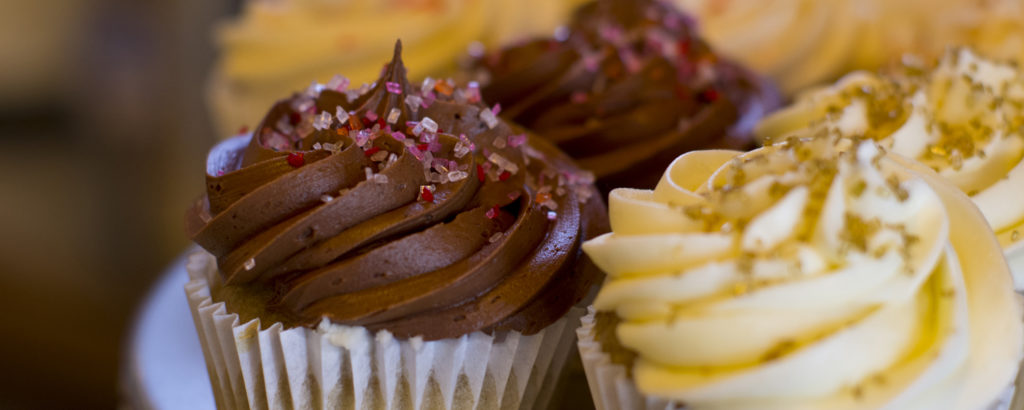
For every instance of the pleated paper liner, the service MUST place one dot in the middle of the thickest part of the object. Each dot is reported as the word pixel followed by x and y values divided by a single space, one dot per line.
pixel 612 388
pixel 271 367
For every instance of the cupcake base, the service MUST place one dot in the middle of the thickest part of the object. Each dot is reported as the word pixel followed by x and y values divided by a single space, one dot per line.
pixel 612 388
pixel 255 366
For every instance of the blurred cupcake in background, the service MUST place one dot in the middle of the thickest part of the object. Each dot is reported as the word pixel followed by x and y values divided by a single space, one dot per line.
pixel 803 42
pixel 627 87
pixel 276 47
pixel 962 117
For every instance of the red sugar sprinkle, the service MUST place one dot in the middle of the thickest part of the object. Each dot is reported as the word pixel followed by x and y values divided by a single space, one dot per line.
pixel 296 159
pixel 683 47
pixel 504 175
pixel 492 213
pixel 423 147
pixel 294 118
pixel 367 122
pixel 244 129
pixel 371 151
pixel 426 195
pixel 709 95
pixel 480 173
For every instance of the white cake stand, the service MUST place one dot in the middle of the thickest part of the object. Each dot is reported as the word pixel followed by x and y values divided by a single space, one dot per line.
pixel 163 366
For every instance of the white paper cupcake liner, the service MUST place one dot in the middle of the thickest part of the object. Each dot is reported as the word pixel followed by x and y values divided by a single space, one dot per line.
pixel 332 366
pixel 612 389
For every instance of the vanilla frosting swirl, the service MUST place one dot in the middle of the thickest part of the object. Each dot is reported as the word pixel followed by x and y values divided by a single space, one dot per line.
pixel 813 274
pixel 277 46
pixel 803 42
pixel 963 117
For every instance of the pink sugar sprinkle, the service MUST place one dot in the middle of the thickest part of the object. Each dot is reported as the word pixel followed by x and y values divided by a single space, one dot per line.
pixel 492 213
pixel 612 33
pixel 514 195
pixel 591 62
pixel 338 83
pixel 516 140
pixel 370 115
pixel 496 109
pixel 473 92
pixel 416 153
pixel 278 142
pixel 398 135
pixel 434 146
pixel 428 98
pixel 438 163
pixel 633 64
pixel 393 87
pixel 465 140
pixel 671 21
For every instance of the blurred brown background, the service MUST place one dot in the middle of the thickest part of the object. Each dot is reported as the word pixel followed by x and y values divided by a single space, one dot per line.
pixel 103 134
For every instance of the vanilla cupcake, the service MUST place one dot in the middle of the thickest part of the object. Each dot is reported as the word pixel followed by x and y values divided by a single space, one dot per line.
pixel 812 274
pixel 396 247
pixel 803 42
pixel 277 46
pixel 962 117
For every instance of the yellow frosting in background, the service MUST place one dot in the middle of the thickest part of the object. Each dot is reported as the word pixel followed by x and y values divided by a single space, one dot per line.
pixel 804 42
pixel 276 47
pixel 963 117
pixel 818 273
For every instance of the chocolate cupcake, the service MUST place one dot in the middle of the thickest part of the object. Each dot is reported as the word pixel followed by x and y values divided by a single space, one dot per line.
pixel 406 236
pixel 626 88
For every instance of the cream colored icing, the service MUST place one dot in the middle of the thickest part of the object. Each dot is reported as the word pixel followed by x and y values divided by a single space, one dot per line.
pixel 964 118
pixel 818 273
pixel 276 47
pixel 804 42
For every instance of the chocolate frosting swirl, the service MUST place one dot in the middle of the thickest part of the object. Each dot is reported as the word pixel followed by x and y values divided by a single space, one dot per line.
pixel 629 88
pixel 409 209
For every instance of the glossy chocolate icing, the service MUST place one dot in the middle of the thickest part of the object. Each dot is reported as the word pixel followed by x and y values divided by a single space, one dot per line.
pixel 491 251
pixel 628 88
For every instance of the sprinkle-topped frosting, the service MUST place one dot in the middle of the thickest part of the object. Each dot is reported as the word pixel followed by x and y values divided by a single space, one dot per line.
pixel 812 274
pixel 625 89
pixel 963 117
pixel 399 207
